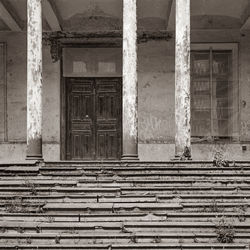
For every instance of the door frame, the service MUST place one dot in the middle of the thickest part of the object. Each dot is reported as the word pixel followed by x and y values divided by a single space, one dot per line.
pixel 63 110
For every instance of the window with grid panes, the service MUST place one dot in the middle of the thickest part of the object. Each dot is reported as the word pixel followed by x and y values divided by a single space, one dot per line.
pixel 214 91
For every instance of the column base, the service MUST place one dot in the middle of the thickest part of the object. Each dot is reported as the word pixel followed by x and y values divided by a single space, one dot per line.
pixel 181 158
pixel 34 158
pixel 130 158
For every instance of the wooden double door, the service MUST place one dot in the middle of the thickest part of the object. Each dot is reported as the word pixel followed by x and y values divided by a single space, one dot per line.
pixel 93 120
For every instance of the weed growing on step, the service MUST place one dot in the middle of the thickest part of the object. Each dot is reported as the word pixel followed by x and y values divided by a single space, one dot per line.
pixel 57 239
pixel 225 231
pixel 214 207
pixel 241 211
pixel 157 239
pixel 219 160
pixel 16 205
pixel 20 230
pixel 133 239
pixel 50 219
pixel 28 241
pixel 31 186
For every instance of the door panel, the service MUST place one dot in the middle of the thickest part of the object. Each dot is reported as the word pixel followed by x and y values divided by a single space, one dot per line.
pixel 80 129
pixel 93 118
pixel 108 118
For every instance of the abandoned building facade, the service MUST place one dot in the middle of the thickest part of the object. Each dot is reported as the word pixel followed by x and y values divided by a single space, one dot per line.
pixel 110 80
pixel 125 124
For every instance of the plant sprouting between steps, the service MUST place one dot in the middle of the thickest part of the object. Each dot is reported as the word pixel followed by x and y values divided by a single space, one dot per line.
pixel 31 186
pixel 225 231
pixel 219 160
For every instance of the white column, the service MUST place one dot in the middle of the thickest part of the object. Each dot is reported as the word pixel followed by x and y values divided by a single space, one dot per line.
pixel 182 80
pixel 130 93
pixel 34 79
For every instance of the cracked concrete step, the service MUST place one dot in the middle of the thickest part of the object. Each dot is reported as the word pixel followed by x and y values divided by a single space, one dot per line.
pixel 116 207
pixel 145 169
pixel 185 189
pixel 82 199
pixel 130 174
pixel 109 207
pixel 122 184
pixel 28 183
pixel 108 179
pixel 135 216
pixel 122 199
pixel 131 246
pixel 113 238
pixel 141 164
pixel 162 184
pixel 131 226
pixel 60 189
pixel 93 177
pixel 102 177
pixel 174 190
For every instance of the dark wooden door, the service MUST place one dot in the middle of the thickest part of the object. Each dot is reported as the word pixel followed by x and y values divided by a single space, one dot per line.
pixel 93 130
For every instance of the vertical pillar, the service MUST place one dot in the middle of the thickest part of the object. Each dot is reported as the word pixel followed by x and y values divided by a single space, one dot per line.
pixel 130 98
pixel 182 80
pixel 34 79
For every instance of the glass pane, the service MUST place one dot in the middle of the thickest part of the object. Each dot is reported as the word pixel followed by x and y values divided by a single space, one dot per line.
pixel 200 63
pixel 92 62
pixel 222 93
pixel 200 94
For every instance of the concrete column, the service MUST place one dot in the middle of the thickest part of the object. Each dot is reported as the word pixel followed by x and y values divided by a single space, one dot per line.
pixel 130 93
pixel 182 80
pixel 34 79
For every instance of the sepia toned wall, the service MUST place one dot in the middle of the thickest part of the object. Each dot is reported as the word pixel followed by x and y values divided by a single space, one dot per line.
pixel 156 99
pixel 156 65
pixel 15 148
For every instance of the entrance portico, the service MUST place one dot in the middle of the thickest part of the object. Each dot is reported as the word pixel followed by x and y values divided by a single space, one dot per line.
pixel 129 83
pixel 176 100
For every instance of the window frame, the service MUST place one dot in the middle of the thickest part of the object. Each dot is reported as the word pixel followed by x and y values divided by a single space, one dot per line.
pixel 234 47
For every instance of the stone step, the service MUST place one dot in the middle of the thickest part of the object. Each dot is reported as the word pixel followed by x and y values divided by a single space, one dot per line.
pixel 244 196
pixel 148 225
pixel 107 179
pixel 110 207
pixel 19 180
pixel 213 201
pixel 131 246
pixel 147 174
pixel 118 184
pixel 147 164
pixel 28 183
pixel 136 216
pixel 116 205
pixel 107 237
pixel 175 191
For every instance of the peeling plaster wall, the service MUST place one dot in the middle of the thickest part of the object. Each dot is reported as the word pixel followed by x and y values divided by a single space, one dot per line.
pixel 156 61
pixel 156 99
pixel 15 149
pixel 156 92
pixel 244 74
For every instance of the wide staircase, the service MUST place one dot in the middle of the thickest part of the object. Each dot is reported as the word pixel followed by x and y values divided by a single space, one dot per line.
pixel 114 205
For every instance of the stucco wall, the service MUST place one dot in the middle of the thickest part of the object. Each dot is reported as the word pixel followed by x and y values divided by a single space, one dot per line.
pixel 156 100
pixel 15 148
